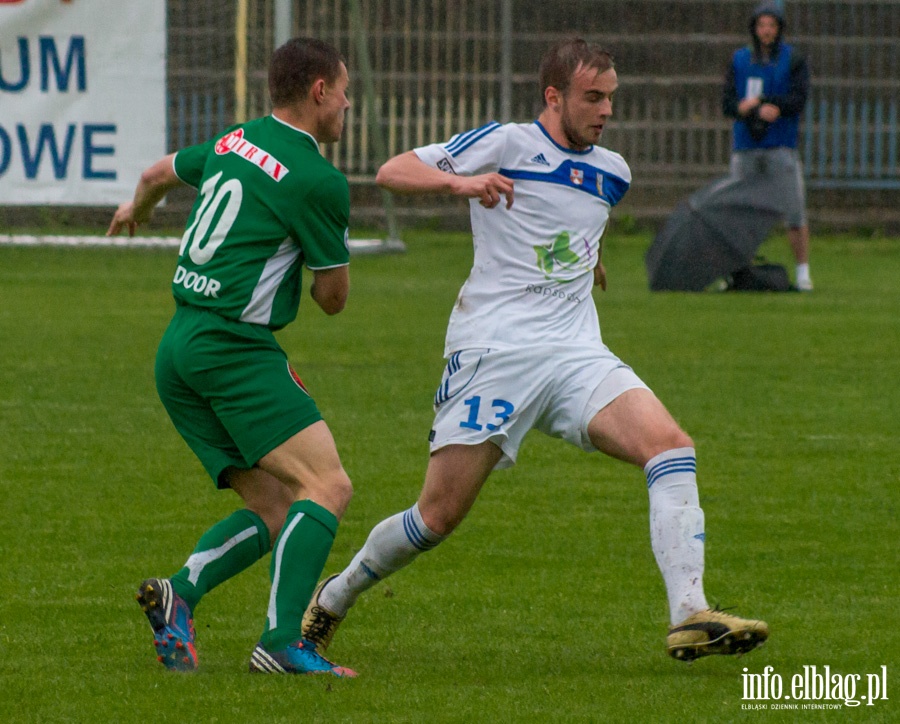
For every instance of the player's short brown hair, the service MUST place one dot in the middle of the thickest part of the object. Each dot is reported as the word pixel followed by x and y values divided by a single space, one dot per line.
pixel 561 62
pixel 298 64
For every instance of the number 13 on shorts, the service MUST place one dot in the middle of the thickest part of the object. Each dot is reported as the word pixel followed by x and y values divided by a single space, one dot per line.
pixel 493 418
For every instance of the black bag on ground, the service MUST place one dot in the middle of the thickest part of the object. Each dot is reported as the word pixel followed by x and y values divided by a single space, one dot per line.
pixel 759 277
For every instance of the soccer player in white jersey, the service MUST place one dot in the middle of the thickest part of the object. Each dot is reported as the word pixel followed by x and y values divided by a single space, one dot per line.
pixel 524 348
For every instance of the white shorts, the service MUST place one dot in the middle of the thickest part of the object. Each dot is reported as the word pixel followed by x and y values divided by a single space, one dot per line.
pixel 499 395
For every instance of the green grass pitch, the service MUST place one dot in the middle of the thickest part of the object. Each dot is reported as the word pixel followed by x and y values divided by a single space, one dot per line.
pixel 546 605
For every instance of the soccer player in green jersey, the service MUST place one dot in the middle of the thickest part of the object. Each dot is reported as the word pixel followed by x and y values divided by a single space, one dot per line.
pixel 268 203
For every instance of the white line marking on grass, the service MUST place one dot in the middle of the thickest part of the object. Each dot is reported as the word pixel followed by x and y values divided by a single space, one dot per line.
pixel 357 246
pixel 123 241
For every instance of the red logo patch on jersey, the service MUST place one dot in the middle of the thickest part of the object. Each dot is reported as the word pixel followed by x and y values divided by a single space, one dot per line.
pixel 577 176
pixel 234 143
pixel 297 379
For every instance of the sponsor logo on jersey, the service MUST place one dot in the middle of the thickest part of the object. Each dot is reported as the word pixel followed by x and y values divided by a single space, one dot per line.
pixel 576 176
pixel 540 160
pixel 548 292
pixel 600 186
pixel 445 166
pixel 558 260
pixel 234 143
pixel 200 283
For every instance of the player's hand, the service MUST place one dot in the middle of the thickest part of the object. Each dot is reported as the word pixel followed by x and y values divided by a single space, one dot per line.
pixel 600 276
pixel 769 112
pixel 487 188
pixel 123 219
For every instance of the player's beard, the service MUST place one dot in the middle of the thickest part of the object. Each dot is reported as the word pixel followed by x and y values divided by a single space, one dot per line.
pixel 575 138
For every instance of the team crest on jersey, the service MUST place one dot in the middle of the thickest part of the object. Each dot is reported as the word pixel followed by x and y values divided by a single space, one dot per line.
pixel 234 143
pixel 576 176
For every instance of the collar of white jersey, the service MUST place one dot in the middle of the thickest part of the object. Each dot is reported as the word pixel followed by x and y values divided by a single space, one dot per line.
pixel 562 148
pixel 299 130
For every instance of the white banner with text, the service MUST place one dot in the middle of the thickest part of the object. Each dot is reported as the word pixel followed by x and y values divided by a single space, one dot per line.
pixel 82 99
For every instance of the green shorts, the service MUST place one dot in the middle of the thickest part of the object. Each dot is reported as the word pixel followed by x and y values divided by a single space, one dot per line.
pixel 229 389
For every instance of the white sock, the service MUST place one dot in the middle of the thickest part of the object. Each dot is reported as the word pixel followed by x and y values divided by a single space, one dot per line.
pixel 803 272
pixel 676 529
pixel 392 544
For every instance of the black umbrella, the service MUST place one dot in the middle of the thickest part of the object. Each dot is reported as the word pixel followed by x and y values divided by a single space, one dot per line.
pixel 714 233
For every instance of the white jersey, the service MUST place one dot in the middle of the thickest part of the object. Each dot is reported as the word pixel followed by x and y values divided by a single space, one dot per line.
pixel 532 275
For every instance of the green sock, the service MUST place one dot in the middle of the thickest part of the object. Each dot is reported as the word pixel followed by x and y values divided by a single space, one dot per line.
pixel 298 558
pixel 225 550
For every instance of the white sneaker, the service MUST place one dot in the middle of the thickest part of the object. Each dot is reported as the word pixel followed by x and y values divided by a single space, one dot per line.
pixel 804 285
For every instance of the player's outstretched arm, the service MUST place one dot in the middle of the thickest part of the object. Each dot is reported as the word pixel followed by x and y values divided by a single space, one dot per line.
pixel 408 174
pixel 154 184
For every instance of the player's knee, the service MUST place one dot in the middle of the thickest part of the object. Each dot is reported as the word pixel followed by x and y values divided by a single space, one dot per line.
pixel 333 490
pixel 680 439
pixel 671 438
pixel 441 521
pixel 343 488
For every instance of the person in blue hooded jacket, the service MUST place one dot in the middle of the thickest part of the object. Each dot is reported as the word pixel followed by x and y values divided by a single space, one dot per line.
pixel 765 91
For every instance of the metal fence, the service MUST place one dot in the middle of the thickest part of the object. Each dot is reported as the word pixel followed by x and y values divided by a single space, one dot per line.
pixel 441 66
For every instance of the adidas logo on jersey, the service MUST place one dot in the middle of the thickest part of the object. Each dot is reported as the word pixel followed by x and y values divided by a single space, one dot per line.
pixel 540 159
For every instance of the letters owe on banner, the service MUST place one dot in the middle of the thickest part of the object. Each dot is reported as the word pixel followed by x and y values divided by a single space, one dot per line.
pixel 82 99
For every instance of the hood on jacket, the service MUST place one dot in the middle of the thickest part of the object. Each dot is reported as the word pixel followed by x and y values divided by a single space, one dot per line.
pixel 766 8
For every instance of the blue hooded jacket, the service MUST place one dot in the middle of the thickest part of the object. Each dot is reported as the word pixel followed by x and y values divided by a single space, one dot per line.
pixel 781 79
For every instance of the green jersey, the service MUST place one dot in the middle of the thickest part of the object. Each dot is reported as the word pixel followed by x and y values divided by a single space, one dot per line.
pixel 268 203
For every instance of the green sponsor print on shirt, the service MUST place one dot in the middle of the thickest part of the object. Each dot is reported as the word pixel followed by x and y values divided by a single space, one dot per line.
pixel 558 254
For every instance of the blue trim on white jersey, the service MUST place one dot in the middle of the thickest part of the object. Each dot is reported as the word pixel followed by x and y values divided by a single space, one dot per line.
pixel 591 180
pixel 561 148
pixel 464 140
